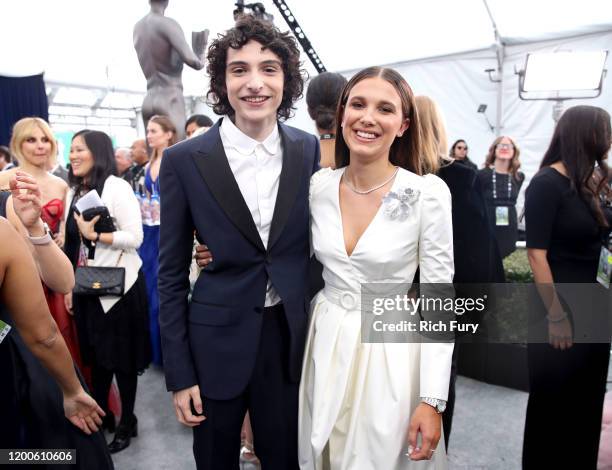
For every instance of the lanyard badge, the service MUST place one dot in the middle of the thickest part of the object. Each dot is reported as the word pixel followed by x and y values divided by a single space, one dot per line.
pixel 4 330
pixel 604 268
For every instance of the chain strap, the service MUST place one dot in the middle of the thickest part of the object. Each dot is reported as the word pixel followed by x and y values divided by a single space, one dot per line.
pixel 87 257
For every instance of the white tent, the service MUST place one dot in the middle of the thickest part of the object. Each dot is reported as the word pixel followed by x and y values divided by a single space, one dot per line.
pixel 442 47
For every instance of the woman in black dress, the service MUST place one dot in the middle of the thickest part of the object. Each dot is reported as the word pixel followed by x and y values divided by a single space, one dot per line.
pixel 113 331
pixel 459 153
pixel 501 183
pixel 567 223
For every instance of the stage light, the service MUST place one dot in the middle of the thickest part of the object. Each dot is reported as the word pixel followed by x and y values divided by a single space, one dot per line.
pixel 562 75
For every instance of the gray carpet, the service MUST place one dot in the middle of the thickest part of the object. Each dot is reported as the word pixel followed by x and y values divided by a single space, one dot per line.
pixel 487 429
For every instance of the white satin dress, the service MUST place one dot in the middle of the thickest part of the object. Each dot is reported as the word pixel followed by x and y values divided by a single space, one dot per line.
pixel 356 399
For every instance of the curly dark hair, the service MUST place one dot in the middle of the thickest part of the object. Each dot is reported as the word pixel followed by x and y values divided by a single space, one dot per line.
pixel 249 28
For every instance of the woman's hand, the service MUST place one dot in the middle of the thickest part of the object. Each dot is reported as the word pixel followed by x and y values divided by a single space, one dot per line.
pixel 560 332
pixel 27 204
pixel 68 303
pixel 427 421
pixel 83 411
pixel 58 238
pixel 87 227
pixel 203 256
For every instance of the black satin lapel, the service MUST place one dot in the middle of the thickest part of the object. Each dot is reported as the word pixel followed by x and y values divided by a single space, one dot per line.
pixel 215 169
pixel 288 186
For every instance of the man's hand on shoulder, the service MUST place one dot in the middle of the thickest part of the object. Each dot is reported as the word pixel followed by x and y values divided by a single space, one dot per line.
pixel 182 406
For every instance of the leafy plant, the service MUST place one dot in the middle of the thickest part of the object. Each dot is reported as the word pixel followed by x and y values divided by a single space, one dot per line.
pixel 516 267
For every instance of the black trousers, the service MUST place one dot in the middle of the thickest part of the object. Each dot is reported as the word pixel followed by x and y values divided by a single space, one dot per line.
pixel 447 416
pixel 563 422
pixel 270 398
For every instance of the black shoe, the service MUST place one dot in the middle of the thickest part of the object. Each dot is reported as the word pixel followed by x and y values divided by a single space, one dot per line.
pixel 123 435
pixel 108 422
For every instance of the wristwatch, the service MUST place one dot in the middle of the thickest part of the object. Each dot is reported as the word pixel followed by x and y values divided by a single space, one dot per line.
pixel 439 405
pixel 43 240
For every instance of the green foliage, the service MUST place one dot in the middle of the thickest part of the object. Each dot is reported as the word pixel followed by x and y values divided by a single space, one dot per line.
pixel 516 267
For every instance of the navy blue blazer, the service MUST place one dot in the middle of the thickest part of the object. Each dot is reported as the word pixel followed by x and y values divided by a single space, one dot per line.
pixel 213 340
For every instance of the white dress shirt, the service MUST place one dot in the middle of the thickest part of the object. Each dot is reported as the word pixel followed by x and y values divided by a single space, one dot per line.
pixel 257 167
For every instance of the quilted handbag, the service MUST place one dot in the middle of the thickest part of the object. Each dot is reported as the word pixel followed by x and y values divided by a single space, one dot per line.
pixel 98 280
pixel 94 280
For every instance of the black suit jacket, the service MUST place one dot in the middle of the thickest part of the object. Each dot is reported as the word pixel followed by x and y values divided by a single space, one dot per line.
pixel 213 339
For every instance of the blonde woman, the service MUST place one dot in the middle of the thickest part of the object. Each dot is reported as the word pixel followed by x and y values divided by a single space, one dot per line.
pixel 34 146
pixel 477 261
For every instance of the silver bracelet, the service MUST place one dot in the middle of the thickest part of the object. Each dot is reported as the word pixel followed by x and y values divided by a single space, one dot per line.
pixel 557 320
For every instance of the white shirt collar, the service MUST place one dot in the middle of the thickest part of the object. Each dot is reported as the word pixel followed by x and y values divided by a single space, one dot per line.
pixel 235 138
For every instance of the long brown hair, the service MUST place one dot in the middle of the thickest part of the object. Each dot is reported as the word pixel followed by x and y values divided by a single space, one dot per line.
pixel 582 138
pixel 515 163
pixel 167 126
pixel 405 150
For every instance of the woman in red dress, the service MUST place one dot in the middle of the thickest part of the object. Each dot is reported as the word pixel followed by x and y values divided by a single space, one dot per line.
pixel 33 145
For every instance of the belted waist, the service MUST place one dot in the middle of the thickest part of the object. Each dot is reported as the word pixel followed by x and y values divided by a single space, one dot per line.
pixel 360 301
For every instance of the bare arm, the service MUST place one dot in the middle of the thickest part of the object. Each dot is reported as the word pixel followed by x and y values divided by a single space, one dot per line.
pixel 23 211
pixel 22 293
pixel 543 277
pixel 542 201
pixel 559 327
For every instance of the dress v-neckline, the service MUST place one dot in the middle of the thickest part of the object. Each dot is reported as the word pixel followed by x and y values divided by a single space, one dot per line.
pixel 341 218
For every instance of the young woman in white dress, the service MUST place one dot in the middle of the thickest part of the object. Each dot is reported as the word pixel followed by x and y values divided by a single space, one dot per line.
pixel 361 404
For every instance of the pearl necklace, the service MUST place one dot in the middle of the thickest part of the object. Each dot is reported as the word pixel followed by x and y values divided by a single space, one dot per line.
pixel 368 191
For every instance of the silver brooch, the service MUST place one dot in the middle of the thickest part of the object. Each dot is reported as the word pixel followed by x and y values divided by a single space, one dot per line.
pixel 396 204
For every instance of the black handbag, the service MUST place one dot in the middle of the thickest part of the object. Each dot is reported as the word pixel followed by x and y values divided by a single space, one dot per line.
pixel 105 224
pixel 98 280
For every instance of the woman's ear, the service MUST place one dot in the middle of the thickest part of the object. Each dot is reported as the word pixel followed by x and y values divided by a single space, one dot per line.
pixel 404 127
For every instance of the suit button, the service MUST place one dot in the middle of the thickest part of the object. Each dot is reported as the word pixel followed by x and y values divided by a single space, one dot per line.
pixel 258 310
pixel 268 259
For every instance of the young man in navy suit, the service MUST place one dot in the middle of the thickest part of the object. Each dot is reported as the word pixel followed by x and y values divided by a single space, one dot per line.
pixel 242 187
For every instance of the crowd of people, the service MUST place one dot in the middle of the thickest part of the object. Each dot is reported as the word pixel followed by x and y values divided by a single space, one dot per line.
pixel 264 354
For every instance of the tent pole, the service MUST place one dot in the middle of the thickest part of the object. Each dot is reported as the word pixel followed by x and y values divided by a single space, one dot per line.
pixel 500 91
pixel 500 53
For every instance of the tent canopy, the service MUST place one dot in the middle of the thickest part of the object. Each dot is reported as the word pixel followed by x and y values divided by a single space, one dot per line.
pixel 442 47
pixel 90 43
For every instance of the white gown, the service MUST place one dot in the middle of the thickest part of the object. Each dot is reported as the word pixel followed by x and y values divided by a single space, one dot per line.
pixel 356 399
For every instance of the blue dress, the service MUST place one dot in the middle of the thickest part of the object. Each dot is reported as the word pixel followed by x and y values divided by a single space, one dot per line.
pixel 149 251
